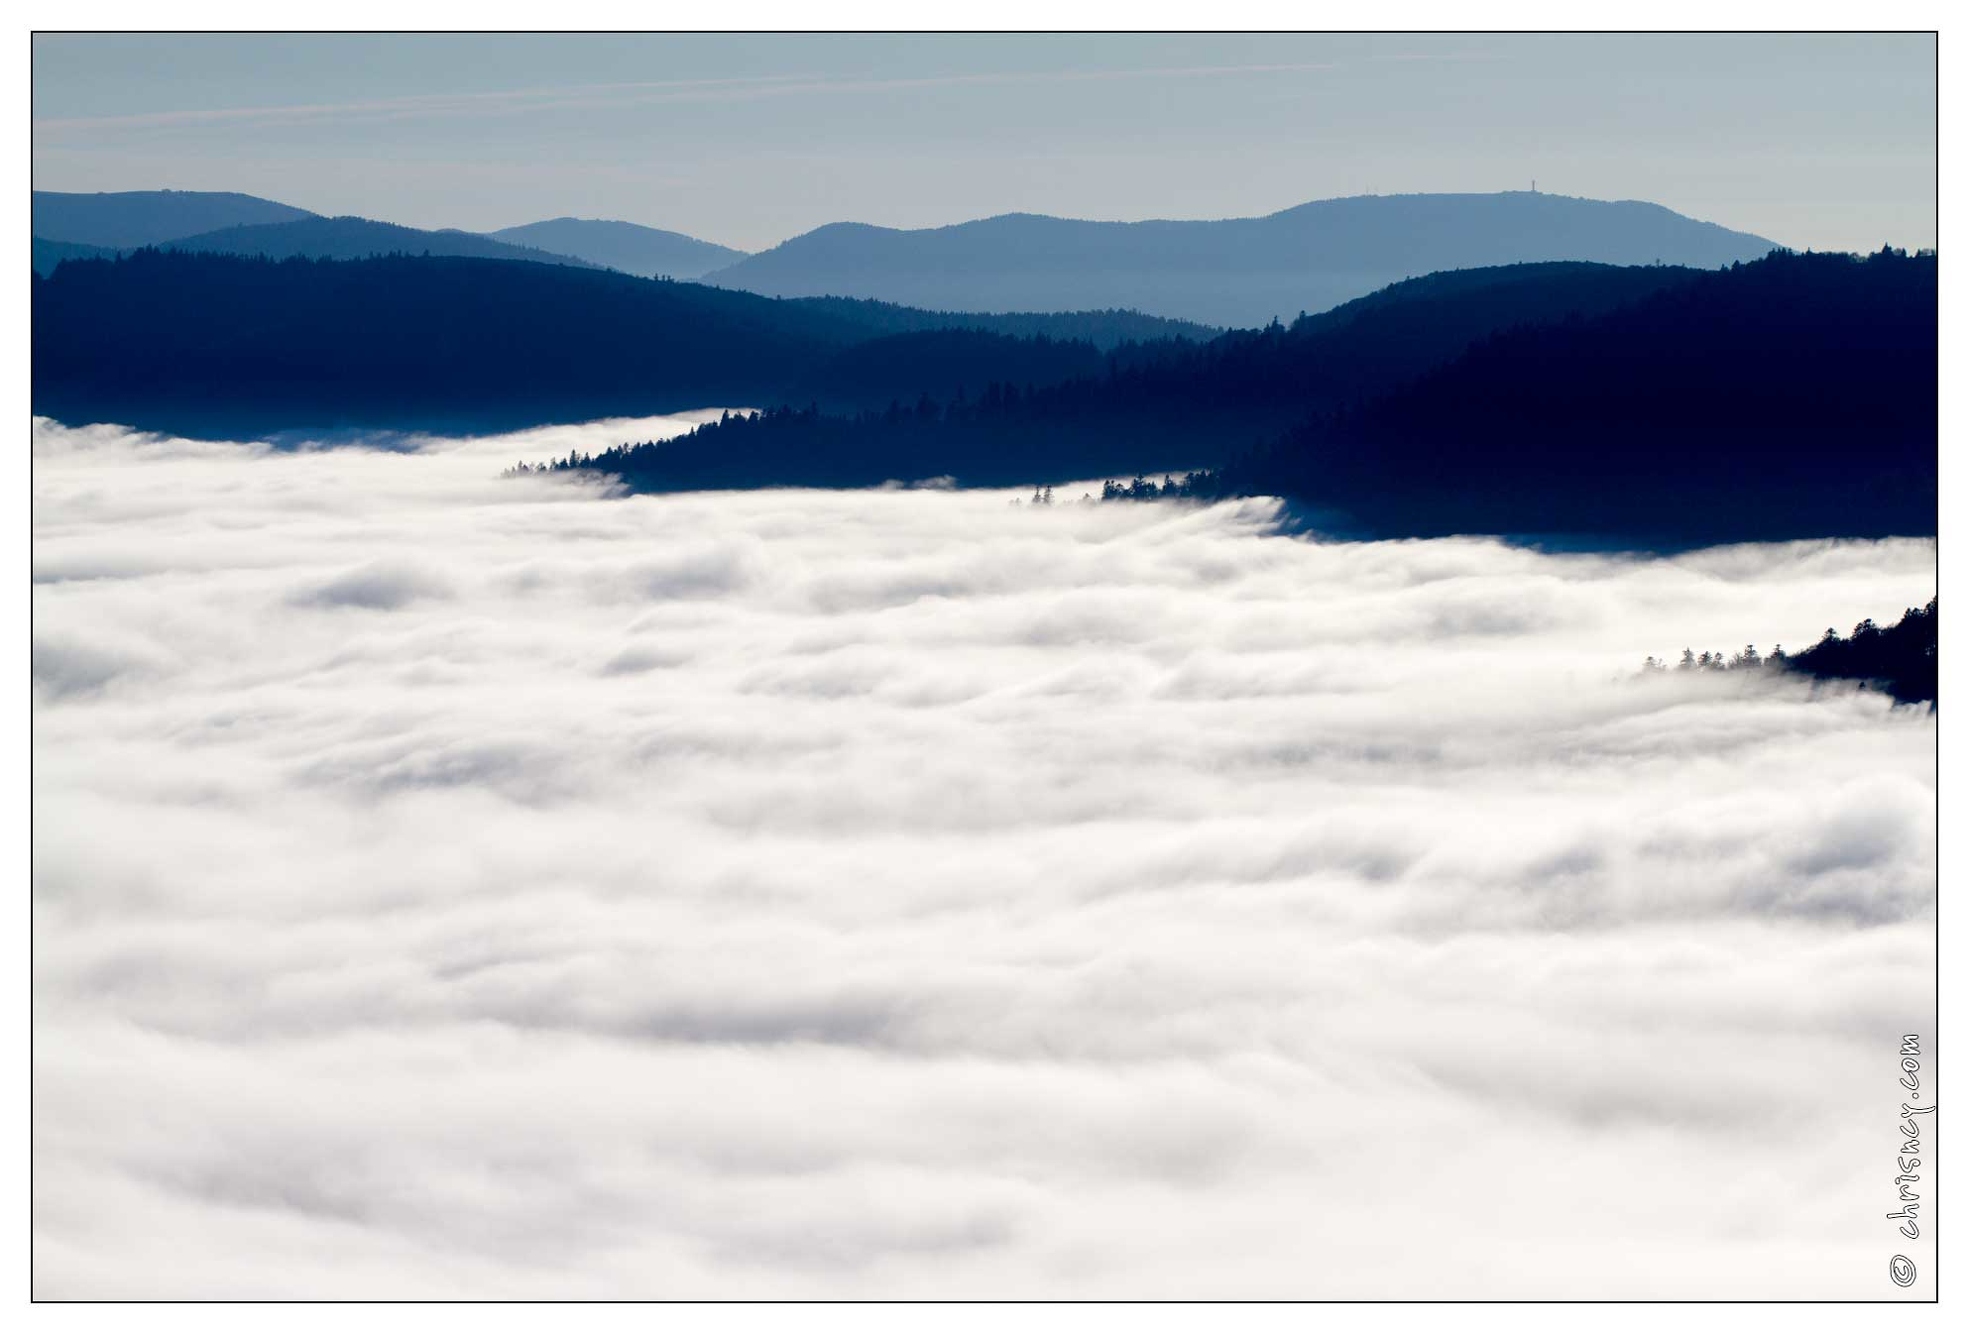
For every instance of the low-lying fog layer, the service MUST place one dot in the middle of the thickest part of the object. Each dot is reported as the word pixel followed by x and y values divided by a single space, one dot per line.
pixel 456 885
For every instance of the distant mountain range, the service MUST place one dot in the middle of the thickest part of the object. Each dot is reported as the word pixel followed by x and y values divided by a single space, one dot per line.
pixel 627 247
pixel 75 226
pixel 1240 272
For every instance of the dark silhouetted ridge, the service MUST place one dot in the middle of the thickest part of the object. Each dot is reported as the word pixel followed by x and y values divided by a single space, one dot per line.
pixel 1158 405
pixel 1791 397
pixel 223 345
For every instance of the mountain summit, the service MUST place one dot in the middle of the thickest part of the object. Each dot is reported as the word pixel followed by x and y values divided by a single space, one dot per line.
pixel 647 252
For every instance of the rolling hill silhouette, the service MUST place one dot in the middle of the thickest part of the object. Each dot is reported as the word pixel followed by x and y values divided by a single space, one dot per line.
pixel 647 252
pixel 225 345
pixel 357 238
pixel 130 218
pixel 1235 272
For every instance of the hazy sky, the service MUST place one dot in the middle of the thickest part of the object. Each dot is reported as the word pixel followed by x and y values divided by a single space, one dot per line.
pixel 1825 141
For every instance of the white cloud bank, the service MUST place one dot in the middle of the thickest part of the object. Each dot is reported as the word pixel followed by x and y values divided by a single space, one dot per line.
pixel 452 885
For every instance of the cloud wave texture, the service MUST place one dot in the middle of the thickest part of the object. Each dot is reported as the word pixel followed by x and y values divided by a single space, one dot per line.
pixel 447 885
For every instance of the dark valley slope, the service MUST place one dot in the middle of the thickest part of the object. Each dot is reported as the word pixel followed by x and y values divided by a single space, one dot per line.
pixel 647 252
pixel 1234 272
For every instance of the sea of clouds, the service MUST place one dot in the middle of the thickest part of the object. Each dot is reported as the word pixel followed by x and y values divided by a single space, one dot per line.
pixel 456 885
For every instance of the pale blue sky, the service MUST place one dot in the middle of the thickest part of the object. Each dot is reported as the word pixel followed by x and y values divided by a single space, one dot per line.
pixel 1823 141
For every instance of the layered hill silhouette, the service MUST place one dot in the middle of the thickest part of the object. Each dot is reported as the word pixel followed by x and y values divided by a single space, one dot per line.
pixel 126 219
pixel 1235 272
pixel 647 252
pixel 358 238
pixel 82 226
pixel 1793 396
pixel 47 254
pixel 1148 406
pixel 227 345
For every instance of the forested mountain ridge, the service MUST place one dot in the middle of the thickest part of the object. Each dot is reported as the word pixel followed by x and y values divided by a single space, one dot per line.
pixel 1791 397
pixel 227 345
pixel 1150 406
pixel 1794 396
pixel 224 345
